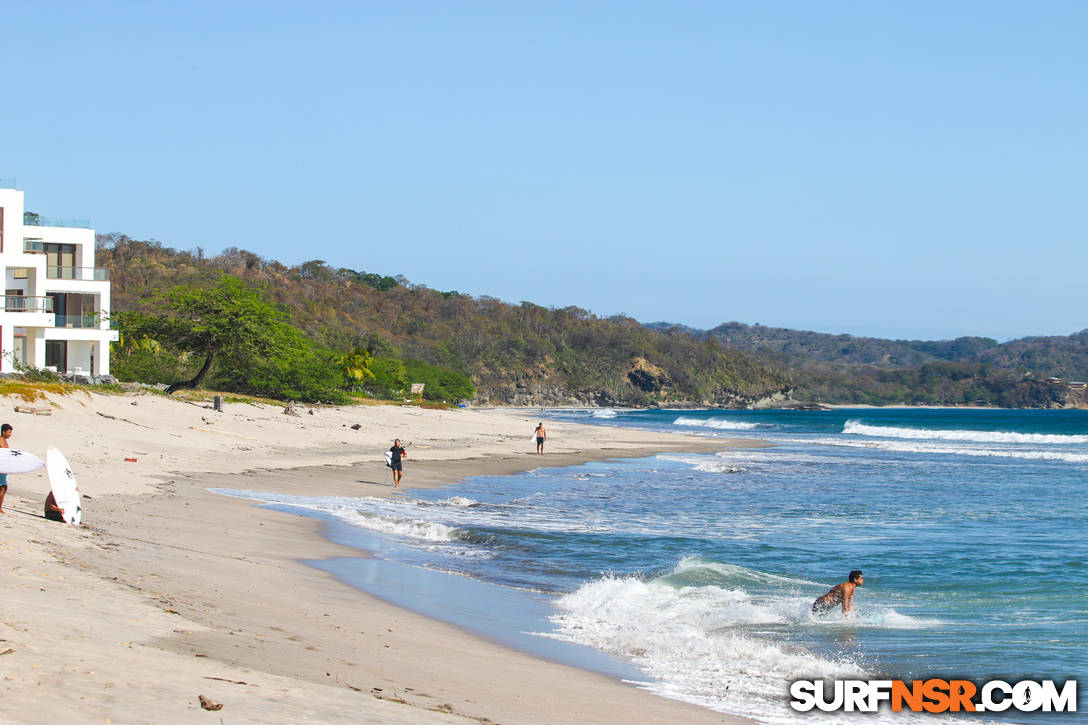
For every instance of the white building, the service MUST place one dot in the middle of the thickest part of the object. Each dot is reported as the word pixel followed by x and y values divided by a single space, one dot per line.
pixel 56 303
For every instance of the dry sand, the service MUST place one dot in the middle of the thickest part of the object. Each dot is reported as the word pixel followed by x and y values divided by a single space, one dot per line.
pixel 169 592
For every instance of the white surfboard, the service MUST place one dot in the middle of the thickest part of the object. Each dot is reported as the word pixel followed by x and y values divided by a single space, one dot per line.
pixel 16 461
pixel 389 458
pixel 63 483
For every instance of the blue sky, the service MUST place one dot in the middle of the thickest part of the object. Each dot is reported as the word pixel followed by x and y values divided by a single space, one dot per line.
pixel 909 170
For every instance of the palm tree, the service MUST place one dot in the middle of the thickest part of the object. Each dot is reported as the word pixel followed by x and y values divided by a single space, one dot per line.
pixel 356 366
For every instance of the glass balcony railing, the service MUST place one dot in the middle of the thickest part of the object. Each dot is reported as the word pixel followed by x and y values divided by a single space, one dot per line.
pixel 77 321
pixel 30 219
pixel 97 274
pixel 34 246
pixel 20 303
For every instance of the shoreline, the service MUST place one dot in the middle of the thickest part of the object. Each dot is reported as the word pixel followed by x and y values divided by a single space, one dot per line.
pixel 193 593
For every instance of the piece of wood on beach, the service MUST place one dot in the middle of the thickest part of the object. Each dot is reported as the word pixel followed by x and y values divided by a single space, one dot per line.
pixel 123 420
pixel 233 682
pixel 32 410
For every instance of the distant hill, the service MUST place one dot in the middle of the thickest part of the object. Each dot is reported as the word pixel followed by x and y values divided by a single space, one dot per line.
pixel 845 349
pixel 521 354
pixel 966 370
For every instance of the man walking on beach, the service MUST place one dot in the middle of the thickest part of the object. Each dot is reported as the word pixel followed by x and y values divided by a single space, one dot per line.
pixel 395 462
pixel 5 432
pixel 541 435
pixel 840 594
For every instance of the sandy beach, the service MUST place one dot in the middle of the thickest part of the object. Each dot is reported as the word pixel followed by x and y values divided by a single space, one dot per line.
pixel 169 592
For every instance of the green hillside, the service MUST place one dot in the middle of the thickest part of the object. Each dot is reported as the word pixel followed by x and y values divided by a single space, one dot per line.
pixel 521 354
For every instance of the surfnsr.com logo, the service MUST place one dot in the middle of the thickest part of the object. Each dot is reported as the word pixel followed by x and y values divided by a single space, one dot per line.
pixel 933 695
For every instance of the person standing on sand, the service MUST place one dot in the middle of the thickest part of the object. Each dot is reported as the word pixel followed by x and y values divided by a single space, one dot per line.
pixel 5 432
pixel 840 594
pixel 395 463
pixel 541 436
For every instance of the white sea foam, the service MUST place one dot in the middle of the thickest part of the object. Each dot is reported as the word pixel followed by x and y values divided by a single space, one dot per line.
pixel 715 423
pixel 855 427
pixel 705 464
pixel 385 515
pixel 412 528
pixel 687 640
pixel 458 501
pixel 604 413
pixel 694 640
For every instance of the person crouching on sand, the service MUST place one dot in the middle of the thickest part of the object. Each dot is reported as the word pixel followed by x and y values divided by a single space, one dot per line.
pixel 52 511
pixel 5 432
pixel 841 594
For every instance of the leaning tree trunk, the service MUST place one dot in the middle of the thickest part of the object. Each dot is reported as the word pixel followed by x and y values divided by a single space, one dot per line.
pixel 196 381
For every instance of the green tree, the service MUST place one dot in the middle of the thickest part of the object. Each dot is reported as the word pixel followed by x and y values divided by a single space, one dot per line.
pixel 389 377
pixel 229 325
pixel 439 383
pixel 355 366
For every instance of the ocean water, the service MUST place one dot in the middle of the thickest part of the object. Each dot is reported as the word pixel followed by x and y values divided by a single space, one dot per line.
pixel 694 574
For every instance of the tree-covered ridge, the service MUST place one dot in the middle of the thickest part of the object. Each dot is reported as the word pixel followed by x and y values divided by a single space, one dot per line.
pixel 848 349
pixel 514 353
pixel 1063 356
pixel 847 369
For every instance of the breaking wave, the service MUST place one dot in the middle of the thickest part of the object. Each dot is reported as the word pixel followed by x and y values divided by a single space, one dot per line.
pixel 715 423
pixel 908 446
pixel 855 427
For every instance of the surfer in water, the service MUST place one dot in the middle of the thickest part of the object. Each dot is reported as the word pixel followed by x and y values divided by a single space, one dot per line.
pixel 5 432
pixel 840 594
pixel 395 463
pixel 541 435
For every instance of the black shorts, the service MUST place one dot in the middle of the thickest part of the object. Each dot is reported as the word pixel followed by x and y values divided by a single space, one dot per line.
pixel 540 441
pixel 819 607
pixel 54 516
pixel 396 466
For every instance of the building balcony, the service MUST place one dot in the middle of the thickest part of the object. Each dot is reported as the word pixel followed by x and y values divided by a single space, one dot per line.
pixel 95 274
pixel 20 303
pixel 93 321
pixel 25 311
pixel 30 219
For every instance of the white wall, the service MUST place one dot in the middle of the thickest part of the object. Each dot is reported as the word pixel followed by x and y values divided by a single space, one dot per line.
pixel 79 356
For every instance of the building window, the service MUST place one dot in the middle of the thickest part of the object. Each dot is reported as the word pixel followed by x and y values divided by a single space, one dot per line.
pixel 60 261
pixel 12 303
pixel 56 355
